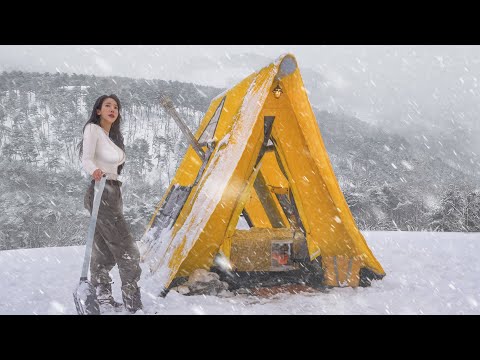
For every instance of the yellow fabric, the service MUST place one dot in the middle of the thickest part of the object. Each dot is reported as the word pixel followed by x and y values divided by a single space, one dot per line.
pixel 345 238
pixel 202 253
pixel 330 227
pixel 341 271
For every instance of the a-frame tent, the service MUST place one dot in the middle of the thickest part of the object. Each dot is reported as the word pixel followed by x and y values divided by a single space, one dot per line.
pixel 265 163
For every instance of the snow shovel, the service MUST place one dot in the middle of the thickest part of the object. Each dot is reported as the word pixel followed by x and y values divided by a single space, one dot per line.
pixel 85 295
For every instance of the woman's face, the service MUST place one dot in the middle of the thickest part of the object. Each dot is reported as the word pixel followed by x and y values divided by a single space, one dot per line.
pixel 109 111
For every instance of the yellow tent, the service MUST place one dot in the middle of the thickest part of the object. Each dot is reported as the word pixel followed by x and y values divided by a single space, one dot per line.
pixel 265 163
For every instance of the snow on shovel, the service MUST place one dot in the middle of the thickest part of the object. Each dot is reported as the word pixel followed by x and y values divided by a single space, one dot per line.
pixel 85 295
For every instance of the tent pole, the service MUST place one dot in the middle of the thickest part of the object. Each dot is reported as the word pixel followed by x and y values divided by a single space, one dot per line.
pixel 169 107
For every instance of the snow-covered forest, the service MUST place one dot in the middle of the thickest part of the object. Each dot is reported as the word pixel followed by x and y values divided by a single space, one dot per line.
pixel 390 182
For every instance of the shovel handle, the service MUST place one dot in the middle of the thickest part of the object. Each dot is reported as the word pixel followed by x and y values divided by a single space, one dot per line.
pixel 98 191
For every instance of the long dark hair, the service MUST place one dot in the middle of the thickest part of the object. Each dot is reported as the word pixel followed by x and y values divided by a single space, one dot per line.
pixel 115 133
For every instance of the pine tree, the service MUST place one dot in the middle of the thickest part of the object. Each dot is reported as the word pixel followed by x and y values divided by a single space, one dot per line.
pixel 54 152
pixel 451 214
pixel 3 128
pixel 29 150
pixel 17 137
pixel 472 213
pixel 140 161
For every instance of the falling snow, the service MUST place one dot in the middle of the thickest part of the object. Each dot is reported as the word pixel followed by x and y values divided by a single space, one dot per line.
pixel 426 96
pixel 407 165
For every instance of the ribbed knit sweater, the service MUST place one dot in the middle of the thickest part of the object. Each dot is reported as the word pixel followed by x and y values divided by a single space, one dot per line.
pixel 100 152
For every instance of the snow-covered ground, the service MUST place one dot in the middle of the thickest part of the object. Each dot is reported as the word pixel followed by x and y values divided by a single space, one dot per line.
pixel 427 273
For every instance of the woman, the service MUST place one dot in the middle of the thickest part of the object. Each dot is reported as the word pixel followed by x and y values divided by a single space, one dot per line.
pixel 102 151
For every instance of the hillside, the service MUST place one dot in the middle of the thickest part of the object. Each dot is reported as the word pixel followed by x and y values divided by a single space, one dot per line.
pixel 390 182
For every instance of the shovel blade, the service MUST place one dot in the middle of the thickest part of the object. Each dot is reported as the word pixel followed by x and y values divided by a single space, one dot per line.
pixel 85 298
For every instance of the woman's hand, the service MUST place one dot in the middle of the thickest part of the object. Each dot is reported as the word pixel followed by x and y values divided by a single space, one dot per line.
pixel 97 174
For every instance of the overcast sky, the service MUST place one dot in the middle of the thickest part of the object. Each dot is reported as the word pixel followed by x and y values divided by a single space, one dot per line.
pixel 430 81
pixel 170 61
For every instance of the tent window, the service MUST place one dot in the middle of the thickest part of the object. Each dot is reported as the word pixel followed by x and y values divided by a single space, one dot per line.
pixel 281 255
pixel 168 213
pixel 212 124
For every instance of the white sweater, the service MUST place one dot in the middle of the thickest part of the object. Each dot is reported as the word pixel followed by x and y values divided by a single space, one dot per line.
pixel 100 152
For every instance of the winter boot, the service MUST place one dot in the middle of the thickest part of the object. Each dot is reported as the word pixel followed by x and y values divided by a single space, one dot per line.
pixel 131 298
pixel 106 300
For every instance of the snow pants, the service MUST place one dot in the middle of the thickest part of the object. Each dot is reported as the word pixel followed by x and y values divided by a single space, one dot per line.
pixel 113 243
